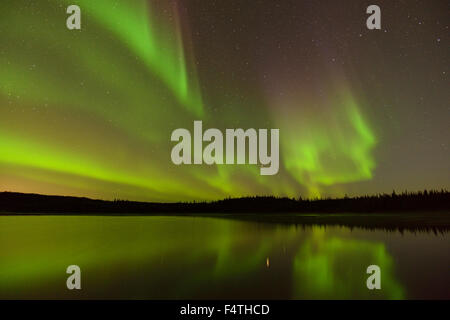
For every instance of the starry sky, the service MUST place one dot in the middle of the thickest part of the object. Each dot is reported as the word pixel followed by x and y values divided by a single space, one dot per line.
pixel 90 112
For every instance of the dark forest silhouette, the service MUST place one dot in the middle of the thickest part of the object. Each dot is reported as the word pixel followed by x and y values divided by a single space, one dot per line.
pixel 426 201
pixel 417 212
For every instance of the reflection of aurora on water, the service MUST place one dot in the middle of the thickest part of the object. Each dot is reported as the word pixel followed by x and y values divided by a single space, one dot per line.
pixel 332 267
pixel 184 257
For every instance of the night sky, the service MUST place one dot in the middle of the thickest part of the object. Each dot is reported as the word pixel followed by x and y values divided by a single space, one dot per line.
pixel 90 112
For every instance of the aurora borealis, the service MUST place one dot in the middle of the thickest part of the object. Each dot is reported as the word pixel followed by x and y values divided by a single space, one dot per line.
pixel 89 112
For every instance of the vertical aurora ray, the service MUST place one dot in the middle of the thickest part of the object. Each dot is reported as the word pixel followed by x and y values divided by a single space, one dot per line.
pixel 158 42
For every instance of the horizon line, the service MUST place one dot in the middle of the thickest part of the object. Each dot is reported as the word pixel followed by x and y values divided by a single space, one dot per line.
pixel 299 198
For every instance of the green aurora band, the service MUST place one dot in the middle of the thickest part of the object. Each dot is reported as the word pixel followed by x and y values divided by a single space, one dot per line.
pixel 90 112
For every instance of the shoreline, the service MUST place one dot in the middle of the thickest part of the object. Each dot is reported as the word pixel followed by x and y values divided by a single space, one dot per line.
pixel 416 221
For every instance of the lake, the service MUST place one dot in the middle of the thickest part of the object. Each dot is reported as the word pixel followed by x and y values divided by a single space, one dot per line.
pixel 152 257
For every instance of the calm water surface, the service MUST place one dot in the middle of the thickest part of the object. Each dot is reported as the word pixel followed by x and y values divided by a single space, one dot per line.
pixel 197 257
